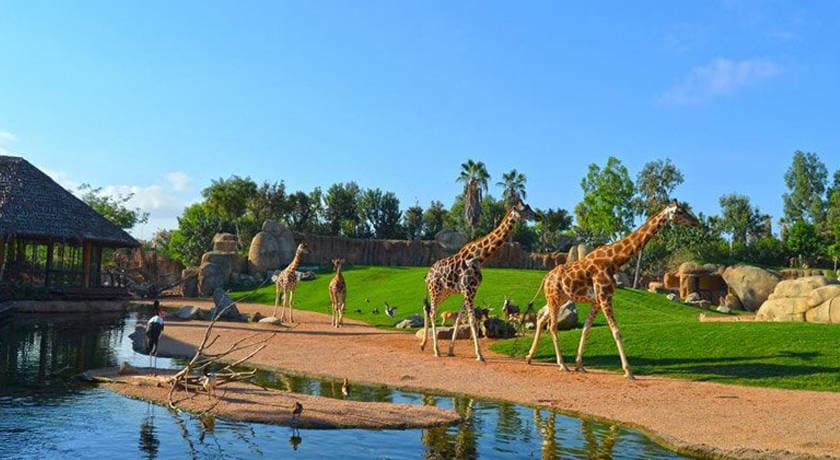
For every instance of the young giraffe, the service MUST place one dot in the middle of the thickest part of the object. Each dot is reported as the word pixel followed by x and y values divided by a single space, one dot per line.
pixel 461 273
pixel 338 294
pixel 286 282
pixel 590 280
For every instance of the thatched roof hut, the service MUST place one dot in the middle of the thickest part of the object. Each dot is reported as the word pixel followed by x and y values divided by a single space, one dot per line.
pixel 50 240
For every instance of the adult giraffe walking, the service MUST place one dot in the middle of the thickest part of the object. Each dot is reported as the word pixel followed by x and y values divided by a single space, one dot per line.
pixel 590 280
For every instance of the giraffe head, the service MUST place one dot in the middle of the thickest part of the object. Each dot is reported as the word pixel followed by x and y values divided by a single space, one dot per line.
pixel 302 248
pixel 523 211
pixel 679 215
pixel 337 264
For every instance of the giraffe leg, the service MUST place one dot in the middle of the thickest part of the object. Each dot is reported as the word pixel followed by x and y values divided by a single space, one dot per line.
pixel 587 325
pixel 552 325
pixel 276 300
pixel 617 337
pixel 426 326
pixel 283 305
pixel 291 306
pixel 474 331
pixel 537 332
pixel 455 331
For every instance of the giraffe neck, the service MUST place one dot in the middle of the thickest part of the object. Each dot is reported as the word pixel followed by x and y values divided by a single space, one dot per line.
pixel 487 245
pixel 293 265
pixel 631 244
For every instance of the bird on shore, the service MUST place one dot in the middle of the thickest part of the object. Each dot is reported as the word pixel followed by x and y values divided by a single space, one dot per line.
pixel 154 328
pixel 296 411
pixel 389 310
pixel 375 311
pixel 208 382
pixel 345 388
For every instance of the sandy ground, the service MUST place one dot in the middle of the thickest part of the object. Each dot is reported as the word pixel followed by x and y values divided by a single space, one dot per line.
pixel 693 417
pixel 250 403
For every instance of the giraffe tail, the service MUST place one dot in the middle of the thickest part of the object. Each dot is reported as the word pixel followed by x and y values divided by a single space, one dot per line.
pixel 536 294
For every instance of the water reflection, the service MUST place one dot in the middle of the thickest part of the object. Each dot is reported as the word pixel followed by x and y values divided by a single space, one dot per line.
pixel 149 442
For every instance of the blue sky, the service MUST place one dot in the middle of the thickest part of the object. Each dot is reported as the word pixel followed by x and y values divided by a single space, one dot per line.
pixel 161 97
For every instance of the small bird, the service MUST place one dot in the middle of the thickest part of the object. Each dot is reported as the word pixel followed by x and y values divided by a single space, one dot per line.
pixel 296 411
pixel 367 300
pixel 389 310
pixel 375 311
pixel 208 382
pixel 358 310
pixel 345 388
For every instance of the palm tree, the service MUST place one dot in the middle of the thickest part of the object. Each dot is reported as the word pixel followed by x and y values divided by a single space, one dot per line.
pixel 474 176
pixel 514 187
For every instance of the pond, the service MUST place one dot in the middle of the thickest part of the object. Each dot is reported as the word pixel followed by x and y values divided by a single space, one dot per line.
pixel 44 414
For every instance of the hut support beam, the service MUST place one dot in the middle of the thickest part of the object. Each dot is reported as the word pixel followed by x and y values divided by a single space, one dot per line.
pixel 48 266
pixel 86 257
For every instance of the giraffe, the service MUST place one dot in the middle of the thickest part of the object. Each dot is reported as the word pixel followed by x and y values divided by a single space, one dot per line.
pixel 286 281
pixel 590 280
pixel 338 294
pixel 461 274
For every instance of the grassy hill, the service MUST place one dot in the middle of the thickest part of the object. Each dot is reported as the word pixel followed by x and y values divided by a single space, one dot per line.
pixel 660 337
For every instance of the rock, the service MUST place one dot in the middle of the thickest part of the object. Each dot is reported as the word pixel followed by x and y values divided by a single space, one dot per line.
pixel 672 297
pixel 232 263
pixel 414 320
pixel 305 276
pixel 445 333
pixel 404 324
pixel 247 281
pixel 622 280
pixel 264 253
pixel 655 286
pixel 800 287
pixel 817 297
pixel 127 369
pixel 495 328
pixel 188 312
pixel 671 280
pixel 752 285
pixel 225 242
pixel 723 309
pixel 138 339
pixel 450 239
pixel 826 312
pixel 732 302
pixel 692 298
pixel 567 317
pixel 211 276
pixel 271 320
pixel 693 268
pixel 577 252
pixel 189 284
pixel 221 300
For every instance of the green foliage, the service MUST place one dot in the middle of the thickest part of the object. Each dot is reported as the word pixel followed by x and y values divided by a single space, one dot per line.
pixel 550 227
pixel 741 221
pixel 802 240
pixel 341 212
pixel 513 186
pixel 474 176
pixel 433 219
pixel 413 222
pixel 661 337
pixel 806 180
pixel 381 213
pixel 229 198
pixel 113 208
pixel 269 202
pixel 194 235
pixel 303 211
pixel 654 185
pixel 606 211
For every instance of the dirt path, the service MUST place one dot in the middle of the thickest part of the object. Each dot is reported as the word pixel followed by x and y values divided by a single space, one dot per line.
pixel 698 417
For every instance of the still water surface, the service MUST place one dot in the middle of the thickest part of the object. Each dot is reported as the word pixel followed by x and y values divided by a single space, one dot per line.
pixel 43 414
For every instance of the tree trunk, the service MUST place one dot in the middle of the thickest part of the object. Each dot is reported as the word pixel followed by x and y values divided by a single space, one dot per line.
pixel 638 267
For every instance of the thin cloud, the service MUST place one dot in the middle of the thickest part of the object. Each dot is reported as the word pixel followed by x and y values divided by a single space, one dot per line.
pixel 720 78
pixel 179 181
pixel 7 136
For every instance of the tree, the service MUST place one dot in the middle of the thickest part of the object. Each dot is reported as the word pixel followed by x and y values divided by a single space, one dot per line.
pixel 113 207
pixel 302 215
pixel 832 220
pixel 654 185
pixel 474 176
pixel 433 219
pixel 743 222
pixel 806 180
pixel 550 225
pixel 341 212
pixel 413 221
pixel 228 199
pixel 513 184
pixel 269 202
pixel 194 236
pixel 802 239
pixel 381 213
pixel 606 211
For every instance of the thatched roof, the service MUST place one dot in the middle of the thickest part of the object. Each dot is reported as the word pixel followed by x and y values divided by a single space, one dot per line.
pixel 34 206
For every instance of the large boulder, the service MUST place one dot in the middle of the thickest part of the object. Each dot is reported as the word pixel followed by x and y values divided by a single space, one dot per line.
pixel 801 299
pixel 450 239
pixel 495 328
pixel 221 301
pixel 577 252
pixel 189 282
pixel 272 248
pixel 752 285
pixel 188 312
pixel 412 321
pixel 225 242
pixel 445 333
pixel 211 276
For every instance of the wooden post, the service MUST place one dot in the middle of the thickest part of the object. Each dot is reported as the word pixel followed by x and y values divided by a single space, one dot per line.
pixel 88 248
pixel 48 268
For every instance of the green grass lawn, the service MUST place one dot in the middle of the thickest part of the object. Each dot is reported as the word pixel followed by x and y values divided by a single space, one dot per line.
pixel 660 337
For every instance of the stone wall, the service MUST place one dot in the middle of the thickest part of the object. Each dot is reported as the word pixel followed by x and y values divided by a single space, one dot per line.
pixel 413 253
